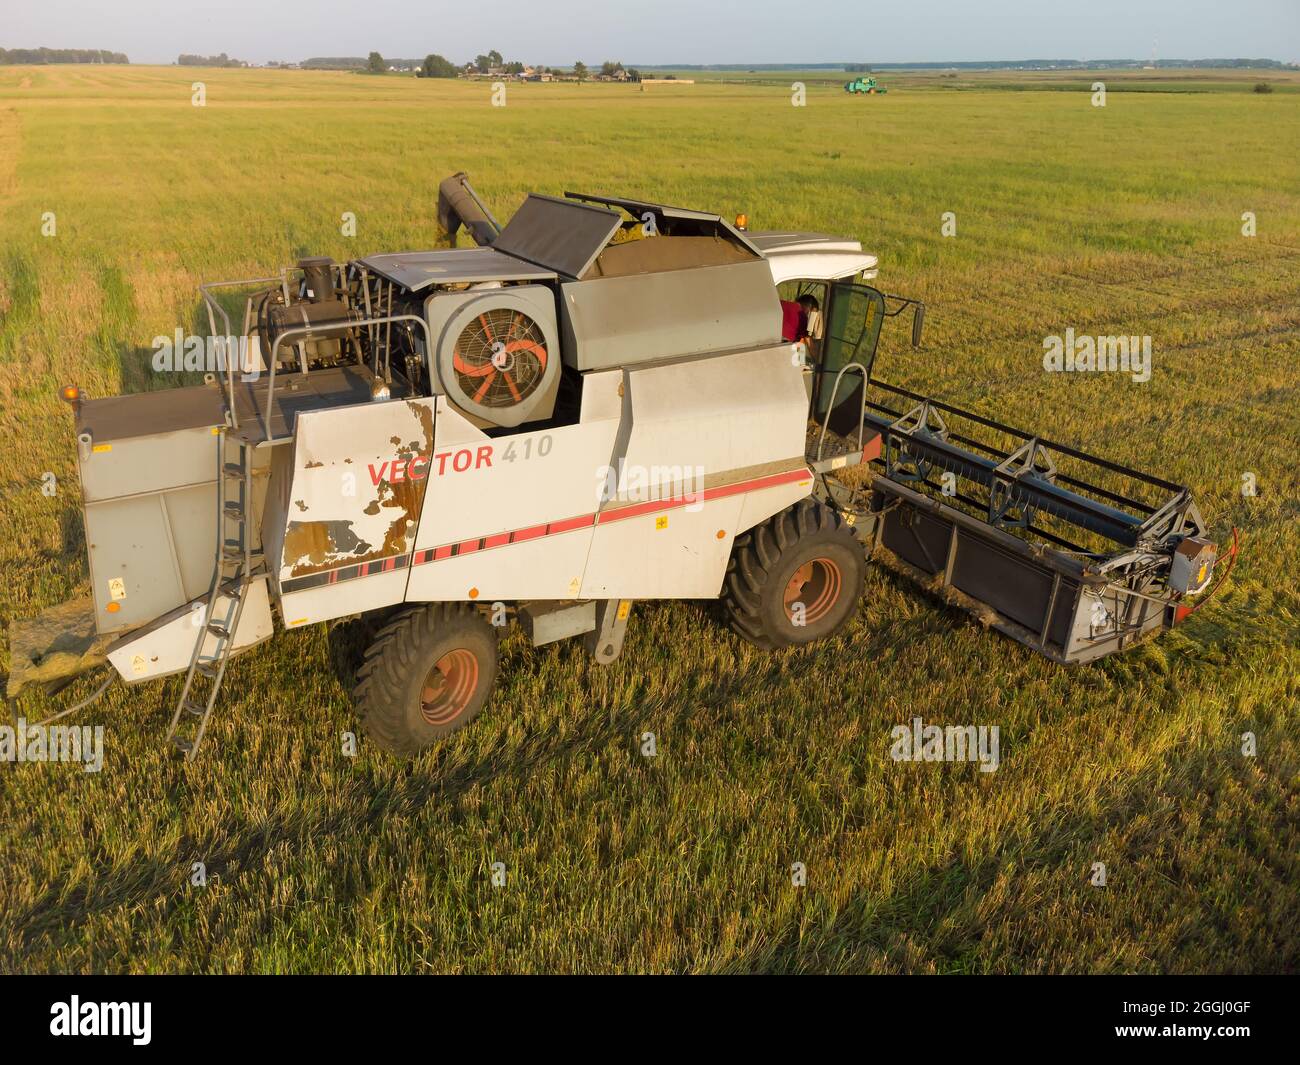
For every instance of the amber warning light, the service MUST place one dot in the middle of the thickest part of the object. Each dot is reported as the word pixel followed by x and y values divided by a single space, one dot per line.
pixel 71 394
pixel 742 220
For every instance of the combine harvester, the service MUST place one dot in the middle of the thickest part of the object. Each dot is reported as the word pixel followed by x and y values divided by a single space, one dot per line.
pixel 864 86
pixel 604 401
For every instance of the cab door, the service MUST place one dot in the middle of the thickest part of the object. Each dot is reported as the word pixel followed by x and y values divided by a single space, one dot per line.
pixel 853 320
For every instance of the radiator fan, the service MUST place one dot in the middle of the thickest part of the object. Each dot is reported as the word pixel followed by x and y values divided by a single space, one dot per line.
pixel 500 358
pixel 498 354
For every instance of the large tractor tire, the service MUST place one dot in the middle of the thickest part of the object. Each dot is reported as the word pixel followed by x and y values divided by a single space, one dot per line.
pixel 428 672
pixel 794 579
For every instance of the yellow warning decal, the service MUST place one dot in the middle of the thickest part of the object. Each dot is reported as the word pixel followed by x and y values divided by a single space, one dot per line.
pixel 661 522
pixel 624 605
pixel 298 622
pixel 102 447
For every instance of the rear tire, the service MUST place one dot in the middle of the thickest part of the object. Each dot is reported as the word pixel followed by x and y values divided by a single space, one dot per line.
pixel 428 672
pixel 794 579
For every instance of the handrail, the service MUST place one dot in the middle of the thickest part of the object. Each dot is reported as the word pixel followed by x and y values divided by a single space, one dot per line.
pixel 830 406
pixel 306 331
pixel 212 305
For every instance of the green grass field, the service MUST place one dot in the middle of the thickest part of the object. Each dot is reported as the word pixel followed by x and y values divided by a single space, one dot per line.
pixel 1125 219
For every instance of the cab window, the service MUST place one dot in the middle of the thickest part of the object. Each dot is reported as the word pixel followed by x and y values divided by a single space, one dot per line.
pixel 853 320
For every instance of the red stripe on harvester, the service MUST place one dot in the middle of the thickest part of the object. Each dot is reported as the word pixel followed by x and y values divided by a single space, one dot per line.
pixel 582 521
pixel 635 510
pixel 756 485
pixel 721 492
pixel 586 521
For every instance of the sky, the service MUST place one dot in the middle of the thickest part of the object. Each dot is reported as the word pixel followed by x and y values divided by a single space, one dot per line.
pixel 558 32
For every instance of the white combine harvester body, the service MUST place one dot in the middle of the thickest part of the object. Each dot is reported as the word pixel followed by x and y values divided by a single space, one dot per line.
pixel 607 400
pixel 641 498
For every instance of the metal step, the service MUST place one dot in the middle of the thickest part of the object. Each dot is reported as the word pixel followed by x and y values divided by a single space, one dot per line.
pixel 234 553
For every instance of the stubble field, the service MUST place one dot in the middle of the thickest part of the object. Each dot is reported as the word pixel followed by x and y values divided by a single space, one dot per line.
pixel 1122 220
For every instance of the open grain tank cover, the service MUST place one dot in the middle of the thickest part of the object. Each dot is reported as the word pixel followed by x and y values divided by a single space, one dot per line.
pixel 561 235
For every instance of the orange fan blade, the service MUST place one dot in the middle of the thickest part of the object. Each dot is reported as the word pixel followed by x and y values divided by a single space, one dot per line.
pixel 532 347
pixel 510 382
pixel 487 383
pixel 462 367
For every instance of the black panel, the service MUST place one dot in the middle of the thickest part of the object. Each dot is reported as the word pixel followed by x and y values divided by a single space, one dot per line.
pixel 1010 585
pixel 1063 613
pixel 561 235
pixel 917 538
pixel 164 411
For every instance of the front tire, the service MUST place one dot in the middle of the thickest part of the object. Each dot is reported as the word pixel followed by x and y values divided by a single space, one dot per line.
pixel 794 579
pixel 428 672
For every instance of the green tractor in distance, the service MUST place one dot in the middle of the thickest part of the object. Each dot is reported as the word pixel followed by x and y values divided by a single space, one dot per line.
pixel 864 85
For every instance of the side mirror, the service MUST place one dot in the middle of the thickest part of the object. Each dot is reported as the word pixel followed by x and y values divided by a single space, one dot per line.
pixel 918 322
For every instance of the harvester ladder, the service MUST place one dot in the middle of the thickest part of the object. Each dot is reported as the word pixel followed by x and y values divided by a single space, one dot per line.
pixel 231 579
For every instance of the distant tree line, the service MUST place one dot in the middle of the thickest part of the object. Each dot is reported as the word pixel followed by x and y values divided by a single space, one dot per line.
pixel 334 62
pixel 373 63
pixel 221 60
pixel 491 62
pixel 31 56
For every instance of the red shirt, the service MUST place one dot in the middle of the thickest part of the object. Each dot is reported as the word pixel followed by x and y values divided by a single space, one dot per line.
pixel 792 320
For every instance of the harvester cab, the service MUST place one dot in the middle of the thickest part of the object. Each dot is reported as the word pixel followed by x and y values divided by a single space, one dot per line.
pixel 599 402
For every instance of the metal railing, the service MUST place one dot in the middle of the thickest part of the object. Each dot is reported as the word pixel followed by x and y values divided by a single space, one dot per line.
pixel 305 332
pixel 830 407
pixel 212 305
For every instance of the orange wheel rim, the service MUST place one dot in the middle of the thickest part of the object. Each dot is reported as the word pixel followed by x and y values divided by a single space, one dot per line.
pixel 449 687
pixel 816 585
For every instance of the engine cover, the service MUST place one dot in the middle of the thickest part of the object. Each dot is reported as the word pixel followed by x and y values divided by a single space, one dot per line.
pixel 496 352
